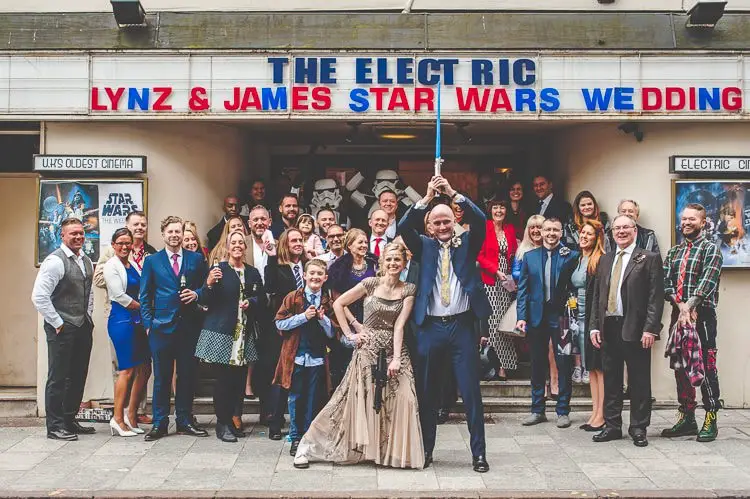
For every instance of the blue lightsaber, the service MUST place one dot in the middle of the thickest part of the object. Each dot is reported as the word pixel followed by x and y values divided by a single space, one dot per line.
pixel 438 159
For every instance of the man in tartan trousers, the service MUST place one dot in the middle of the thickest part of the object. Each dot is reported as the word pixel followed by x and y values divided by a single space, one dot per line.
pixel 691 284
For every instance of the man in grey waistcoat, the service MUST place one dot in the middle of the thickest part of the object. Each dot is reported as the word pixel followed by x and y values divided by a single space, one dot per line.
pixel 62 295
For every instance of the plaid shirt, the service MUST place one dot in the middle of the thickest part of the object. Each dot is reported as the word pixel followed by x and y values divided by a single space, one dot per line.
pixel 684 353
pixel 702 272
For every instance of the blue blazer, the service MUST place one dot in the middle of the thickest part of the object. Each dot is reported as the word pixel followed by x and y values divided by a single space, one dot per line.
pixel 161 309
pixel 530 300
pixel 426 251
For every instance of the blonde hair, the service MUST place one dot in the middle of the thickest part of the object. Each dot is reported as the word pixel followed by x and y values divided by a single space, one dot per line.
pixel 189 226
pixel 527 244
pixel 317 262
pixel 219 252
pixel 390 247
pixel 352 235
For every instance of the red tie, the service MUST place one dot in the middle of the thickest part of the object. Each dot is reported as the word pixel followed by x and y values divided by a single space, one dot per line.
pixel 175 265
pixel 377 246
pixel 681 276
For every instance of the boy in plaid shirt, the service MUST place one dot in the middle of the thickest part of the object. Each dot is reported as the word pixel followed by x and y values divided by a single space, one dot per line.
pixel 691 282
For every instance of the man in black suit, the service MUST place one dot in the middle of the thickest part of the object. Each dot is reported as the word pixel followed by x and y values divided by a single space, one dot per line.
pixel 231 208
pixel 548 203
pixel 288 213
pixel 625 321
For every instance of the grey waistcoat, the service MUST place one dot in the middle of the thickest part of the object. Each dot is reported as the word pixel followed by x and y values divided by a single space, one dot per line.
pixel 71 296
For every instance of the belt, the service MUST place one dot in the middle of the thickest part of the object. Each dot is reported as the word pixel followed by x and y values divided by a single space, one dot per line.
pixel 614 318
pixel 447 318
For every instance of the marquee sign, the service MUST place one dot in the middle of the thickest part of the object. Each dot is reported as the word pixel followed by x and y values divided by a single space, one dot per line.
pixel 86 164
pixel 714 165
pixel 383 86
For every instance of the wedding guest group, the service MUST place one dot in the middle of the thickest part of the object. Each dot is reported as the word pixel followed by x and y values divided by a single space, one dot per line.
pixel 360 333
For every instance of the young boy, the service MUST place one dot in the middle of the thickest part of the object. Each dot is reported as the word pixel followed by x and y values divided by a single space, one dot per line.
pixel 304 320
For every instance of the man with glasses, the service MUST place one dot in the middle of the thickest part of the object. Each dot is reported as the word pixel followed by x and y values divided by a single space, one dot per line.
pixel 542 292
pixel 645 238
pixel 625 321
pixel 335 246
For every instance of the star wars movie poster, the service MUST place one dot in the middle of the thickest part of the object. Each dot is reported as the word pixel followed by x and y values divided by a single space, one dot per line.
pixel 727 206
pixel 101 205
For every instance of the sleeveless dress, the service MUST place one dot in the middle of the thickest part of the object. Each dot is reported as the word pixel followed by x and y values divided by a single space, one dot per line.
pixel 348 430
pixel 591 358
pixel 500 300
pixel 125 328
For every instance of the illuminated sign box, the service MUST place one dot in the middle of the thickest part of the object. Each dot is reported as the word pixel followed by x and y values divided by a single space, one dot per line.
pixel 84 164
pixel 710 164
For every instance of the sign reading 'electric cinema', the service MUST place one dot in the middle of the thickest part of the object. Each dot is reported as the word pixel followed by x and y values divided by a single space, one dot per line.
pixel 398 86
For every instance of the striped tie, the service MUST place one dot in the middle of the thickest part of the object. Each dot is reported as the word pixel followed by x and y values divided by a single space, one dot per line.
pixel 297 276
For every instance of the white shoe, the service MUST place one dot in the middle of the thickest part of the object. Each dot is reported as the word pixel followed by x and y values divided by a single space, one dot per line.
pixel 585 378
pixel 577 374
pixel 132 428
pixel 301 461
pixel 114 427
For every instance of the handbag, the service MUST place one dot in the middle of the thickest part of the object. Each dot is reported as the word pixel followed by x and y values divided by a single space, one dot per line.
pixel 507 324
pixel 569 329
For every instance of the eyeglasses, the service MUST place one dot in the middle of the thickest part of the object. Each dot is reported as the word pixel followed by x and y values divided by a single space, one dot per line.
pixel 622 228
pixel 335 236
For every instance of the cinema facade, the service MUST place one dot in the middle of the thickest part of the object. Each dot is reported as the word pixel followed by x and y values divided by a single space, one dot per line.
pixel 631 105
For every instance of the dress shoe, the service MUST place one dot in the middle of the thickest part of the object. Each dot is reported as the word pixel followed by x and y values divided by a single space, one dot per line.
pixel 293 448
pixel 74 427
pixel 563 421
pixel 224 433
pixel 61 435
pixel 156 433
pixel 274 433
pixel 427 460
pixel 114 427
pixel 192 430
pixel 588 427
pixel 145 419
pixel 480 464
pixel 639 438
pixel 443 415
pixel 534 418
pixel 607 435
pixel 132 428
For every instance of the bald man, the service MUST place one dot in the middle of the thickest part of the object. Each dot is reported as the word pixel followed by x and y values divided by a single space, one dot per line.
pixel 451 296
pixel 378 225
pixel 231 208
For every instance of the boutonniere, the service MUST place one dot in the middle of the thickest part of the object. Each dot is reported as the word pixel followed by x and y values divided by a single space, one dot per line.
pixel 639 258
pixel 564 251
pixel 455 240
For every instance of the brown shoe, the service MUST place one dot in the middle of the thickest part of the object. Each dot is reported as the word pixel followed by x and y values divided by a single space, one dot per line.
pixel 145 419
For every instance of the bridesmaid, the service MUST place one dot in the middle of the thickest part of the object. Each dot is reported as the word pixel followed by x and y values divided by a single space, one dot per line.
pixel 127 334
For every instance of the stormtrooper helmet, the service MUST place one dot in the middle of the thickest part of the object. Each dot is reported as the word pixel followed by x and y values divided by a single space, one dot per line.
pixel 326 194
pixel 386 180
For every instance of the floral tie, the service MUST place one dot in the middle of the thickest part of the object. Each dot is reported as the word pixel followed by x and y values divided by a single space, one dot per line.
pixel 680 291
pixel 445 262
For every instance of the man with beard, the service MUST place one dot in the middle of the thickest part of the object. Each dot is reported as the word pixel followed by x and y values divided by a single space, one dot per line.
pixel 288 210
pixel 325 219
pixel 335 251
pixel 692 270
pixel 260 241
pixel 231 208
pixel 256 196
pixel 549 204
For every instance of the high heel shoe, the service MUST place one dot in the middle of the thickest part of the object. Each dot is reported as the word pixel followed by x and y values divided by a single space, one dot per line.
pixel 132 428
pixel 114 427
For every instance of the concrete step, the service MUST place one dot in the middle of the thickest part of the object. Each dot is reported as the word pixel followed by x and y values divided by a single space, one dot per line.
pixel 18 402
pixel 522 388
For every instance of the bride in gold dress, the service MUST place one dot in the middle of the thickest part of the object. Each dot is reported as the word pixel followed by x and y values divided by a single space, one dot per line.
pixel 348 430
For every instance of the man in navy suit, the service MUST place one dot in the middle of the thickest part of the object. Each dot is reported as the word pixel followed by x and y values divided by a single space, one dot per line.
pixel 542 293
pixel 450 295
pixel 170 285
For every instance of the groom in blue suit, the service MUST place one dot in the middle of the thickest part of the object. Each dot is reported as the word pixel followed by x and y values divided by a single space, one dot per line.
pixel 542 293
pixel 172 322
pixel 450 295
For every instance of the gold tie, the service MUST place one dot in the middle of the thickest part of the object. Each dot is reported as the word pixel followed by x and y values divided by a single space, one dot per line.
pixel 445 262
pixel 614 285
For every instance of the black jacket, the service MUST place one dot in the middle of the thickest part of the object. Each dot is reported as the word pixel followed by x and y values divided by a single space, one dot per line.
pixel 279 281
pixel 222 299
pixel 557 208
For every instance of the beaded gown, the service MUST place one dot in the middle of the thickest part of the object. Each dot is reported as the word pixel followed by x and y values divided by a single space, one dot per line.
pixel 348 430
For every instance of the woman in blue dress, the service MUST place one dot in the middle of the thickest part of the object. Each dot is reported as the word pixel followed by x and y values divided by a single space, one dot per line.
pixel 127 334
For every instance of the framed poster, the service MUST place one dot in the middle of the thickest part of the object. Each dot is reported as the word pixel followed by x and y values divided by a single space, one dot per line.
pixel 727 204
pixel 101 204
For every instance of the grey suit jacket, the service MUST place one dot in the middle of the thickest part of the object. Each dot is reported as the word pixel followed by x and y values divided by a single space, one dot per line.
pixel 642 294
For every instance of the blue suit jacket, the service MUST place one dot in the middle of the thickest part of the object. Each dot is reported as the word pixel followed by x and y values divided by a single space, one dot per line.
pixel 426 251
pixel 161 309
pixel 530 304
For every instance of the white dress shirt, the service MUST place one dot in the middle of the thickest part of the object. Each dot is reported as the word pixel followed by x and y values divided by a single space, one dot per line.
pixel 179 257
pixel 260 259
pixel 459 301
pixel 545 204
pixel 381 243
pixel 50 273
pixel 390 232
pixel 329 257
pixel 628 252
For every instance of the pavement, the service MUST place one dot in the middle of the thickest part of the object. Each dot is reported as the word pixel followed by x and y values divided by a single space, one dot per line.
pixel 540 461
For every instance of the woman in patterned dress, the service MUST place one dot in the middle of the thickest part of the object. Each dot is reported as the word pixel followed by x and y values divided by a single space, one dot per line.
pixel 233 291
pixel 348 430
pixel 495 262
